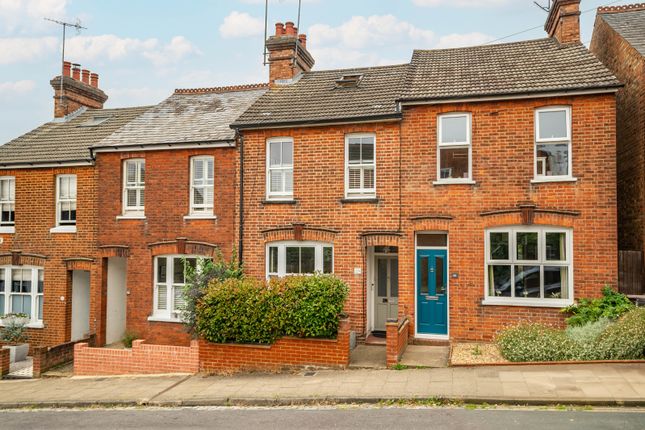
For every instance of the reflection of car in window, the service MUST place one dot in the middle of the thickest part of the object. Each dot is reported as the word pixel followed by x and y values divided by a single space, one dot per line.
pixel 531 280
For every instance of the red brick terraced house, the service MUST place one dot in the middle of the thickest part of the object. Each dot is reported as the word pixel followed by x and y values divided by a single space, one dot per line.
pixel 167 196
pixel 469 189
pixel 49 215
pixel 619 42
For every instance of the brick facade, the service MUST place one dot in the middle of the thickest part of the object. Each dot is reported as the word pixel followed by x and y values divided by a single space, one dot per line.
pixel 397 335
pixel 408 202
pixel 629 66
pixel 164 229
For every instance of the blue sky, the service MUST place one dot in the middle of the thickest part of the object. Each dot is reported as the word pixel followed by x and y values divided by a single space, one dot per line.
pixel 143 49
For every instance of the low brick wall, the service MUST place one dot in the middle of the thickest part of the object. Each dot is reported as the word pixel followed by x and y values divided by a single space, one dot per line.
pixel 396 340
pixel 141 359
pixel 47 357
pixel 286 352
pixel 4 362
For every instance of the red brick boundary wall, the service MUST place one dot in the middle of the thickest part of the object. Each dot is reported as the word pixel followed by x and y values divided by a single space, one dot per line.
pixel 4 362
pixel 47 357
pixel 286 352
pixel 141 359
pixel 396 340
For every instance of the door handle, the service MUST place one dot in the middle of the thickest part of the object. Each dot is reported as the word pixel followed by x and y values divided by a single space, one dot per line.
pixel 384 300
pixel 432 298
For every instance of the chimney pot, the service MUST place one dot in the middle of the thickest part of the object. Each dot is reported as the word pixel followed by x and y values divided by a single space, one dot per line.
pixel 563 21
pixel 290 29
pixel 86 76
pixel 76 71
pixel 94 80
pixel 279 29
pixel 303 40
pixel 67 68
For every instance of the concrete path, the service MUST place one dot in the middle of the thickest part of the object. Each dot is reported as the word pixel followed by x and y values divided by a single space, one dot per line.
pixel 592 384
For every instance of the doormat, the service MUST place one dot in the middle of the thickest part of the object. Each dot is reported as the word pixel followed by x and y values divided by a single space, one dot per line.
pixel 378 334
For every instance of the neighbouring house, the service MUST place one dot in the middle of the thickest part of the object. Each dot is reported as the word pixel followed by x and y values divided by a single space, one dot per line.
pixel 49 214
pixel 469 189
pixel 167 196
pixel 619 42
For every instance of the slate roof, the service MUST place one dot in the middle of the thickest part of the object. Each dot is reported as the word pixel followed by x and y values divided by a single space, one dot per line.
pixel 188 116
pixel 65 141
pixel 630 24
pixel 533 66
pixel 316 98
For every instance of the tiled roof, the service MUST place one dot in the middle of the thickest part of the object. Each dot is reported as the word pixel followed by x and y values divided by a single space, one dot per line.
pixel 188 116
pixel 66 141
pixel 629 22
pixel 317 98
pixel 532 66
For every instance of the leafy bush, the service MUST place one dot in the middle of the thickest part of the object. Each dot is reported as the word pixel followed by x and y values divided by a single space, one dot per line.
pixel 535 342
pixel 589 332
pixel 198 279
pixel 14 331
pixel 251 311
pixel 611 305
pixel 128 338
pixel 623 340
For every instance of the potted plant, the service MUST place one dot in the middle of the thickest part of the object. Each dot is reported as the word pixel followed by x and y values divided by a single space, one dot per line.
pixel 14 334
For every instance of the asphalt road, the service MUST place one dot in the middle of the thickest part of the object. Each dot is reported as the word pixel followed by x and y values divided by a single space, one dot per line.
pixel 326 418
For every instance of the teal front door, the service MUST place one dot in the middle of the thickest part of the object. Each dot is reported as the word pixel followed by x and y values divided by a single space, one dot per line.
pixel 432 291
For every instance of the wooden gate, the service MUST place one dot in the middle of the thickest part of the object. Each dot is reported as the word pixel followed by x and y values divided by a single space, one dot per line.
pixel 630 272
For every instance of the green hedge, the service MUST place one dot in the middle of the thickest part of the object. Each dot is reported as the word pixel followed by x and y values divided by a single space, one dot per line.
pixel 251 311
pixel 611 305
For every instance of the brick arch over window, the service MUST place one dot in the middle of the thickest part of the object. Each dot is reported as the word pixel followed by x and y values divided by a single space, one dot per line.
pixel 300 232
pixel 381 238
pixel 18 258
pixel 529 214
pixel 183 246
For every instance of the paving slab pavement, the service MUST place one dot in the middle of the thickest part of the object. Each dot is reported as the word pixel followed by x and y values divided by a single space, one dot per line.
pixel 588 384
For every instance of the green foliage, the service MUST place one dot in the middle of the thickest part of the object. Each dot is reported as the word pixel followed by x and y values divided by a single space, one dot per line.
pixel 589 332
pixel 535 342
pixel 198 279
pixel 623 340
pixel 611 305
pixel 244 310
pixel 128 338
pixel 14 331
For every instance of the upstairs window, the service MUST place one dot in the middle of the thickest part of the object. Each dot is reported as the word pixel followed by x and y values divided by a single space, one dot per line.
pixel 299 258
pixel 360 166
pixel 134 187
pixel 553 143
pixel 454 161
pixel 66 200
pixel 7 201
pixel 201 186
pixel 280 169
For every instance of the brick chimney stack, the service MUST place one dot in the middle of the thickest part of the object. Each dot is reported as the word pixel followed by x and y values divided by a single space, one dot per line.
pixel 80 89
pixel 563 21
pixel 288 55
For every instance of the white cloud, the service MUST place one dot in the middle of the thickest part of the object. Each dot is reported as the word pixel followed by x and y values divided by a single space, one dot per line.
pixel 28 15
pixel 16 87
pixel 460 3
pixel 18 50
pixel 456 40
pixel 240 24
pixel 112 47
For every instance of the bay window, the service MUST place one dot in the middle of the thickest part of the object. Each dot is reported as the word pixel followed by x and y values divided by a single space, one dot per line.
pixel 169 282
pixel 529 266
pixel 280 169
pixel 552 143
pixel 360 165
pixel 299 258
pixel 454 151
pixel 21 292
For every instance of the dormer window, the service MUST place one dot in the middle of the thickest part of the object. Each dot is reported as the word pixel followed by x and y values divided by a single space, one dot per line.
pixel 348 81
pixel 94 121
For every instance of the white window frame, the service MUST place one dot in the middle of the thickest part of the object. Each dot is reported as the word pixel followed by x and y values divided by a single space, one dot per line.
pixel 361 193
pixel 169 314
pixel 541 176
pixel 137 210
pixel 542 261
pixel 60 201
pixel 282 256
pixel 455 145
pixel 35 296
pixel 8 226
pixel 204 210
pixel 279 195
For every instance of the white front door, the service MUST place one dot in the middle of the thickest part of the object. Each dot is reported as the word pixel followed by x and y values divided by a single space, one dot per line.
pixel 80 305
pixel 386 300
pixel 116 300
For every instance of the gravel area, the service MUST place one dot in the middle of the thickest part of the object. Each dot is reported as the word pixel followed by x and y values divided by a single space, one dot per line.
pixel 476 353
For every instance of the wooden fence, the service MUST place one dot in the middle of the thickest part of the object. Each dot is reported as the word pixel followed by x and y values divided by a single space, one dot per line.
pixel 630 272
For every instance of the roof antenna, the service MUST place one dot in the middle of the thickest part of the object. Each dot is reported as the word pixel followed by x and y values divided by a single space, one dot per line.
pixel 266 21
pixel 546 8
pixel 77 25
pixel 295 55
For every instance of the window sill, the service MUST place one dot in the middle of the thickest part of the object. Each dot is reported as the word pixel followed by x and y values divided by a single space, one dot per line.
pixel 556 179
pixel 198 217
pixel 63 229
pixel 360 200
pixel 121 217
pixel 7 230
pixel 164 319
pixel 533 303
pixel 38 325
pixel 279 202
pixel 455 182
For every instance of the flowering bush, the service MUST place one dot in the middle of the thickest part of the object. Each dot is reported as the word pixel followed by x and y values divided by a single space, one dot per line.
pixel 14 330
pixel 535 342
